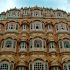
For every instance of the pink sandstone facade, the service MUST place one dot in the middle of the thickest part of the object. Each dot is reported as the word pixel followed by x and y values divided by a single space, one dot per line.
pixel 34 39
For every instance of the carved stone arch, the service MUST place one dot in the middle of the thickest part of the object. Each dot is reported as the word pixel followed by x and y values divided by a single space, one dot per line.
pixel 65 39
pixel 55 63
pixel 61 22
pixel 49 23
pixel 35 59
pixel 7 58
pixel 37 37
pixel 13 36
pixel 65 59
pixel 36 21
pixel 8 38
pixel 22 62
pixel 24 22
pixel 12 22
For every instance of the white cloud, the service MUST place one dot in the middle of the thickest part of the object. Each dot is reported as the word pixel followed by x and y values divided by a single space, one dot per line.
pixel 6 4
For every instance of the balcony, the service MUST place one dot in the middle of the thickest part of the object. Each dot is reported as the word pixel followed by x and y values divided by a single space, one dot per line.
pixel 23 50
pixel 52 50
pixel 38 49
pixel 11 31
pixel 37 30
pixel 64 50
pixel 5 49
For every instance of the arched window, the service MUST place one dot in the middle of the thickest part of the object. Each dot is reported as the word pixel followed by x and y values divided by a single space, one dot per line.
pixel 12 26
pixel 49 27
pixel 52 44
pixel 4 65
pixel 21 68
pixel 38 65
pixel 55 68
pixel 61 27
pixel 64 43
pixel 23 44
pixel 36 26
pixel 36 13
pixel 24 27
pixel 37 43
pixel 66 66
pixel 9 43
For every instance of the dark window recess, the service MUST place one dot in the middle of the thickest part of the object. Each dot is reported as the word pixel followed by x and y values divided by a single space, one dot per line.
pixel 37 27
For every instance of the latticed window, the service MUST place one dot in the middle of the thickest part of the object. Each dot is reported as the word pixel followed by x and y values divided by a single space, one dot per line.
pixel 37 26
pixel 49 27
pixel 66 66
pixel 21 68
pixel 30 66
pixel 12 26
pixel 38 65
pixel 51 44
pixel 23 44
pixel 62 27
pixel 37 43
pixel 55 68
pixel 24 27
pixel 6 66
pixel 9 43
pixel 66 44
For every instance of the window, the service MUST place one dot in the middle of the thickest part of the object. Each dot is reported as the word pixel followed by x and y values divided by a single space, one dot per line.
pixel 12 26
pixel 37 43
pixel 66 44
pixel 23 44
pixel 62 27
pixel 36 13
pixel 6 66
pixel 55 68
pixel 52 44
pixel 49 27
pixel 38 65
pixel 21 68
pixel 30 67
pixel 9 43
pixel 66 66
pixel 24 27
pixel 36 26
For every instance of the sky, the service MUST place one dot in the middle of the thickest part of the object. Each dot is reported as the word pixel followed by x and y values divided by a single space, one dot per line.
pixel 60 4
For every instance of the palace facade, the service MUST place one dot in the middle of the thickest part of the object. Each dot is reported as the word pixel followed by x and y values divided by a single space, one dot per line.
pixel 34 38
